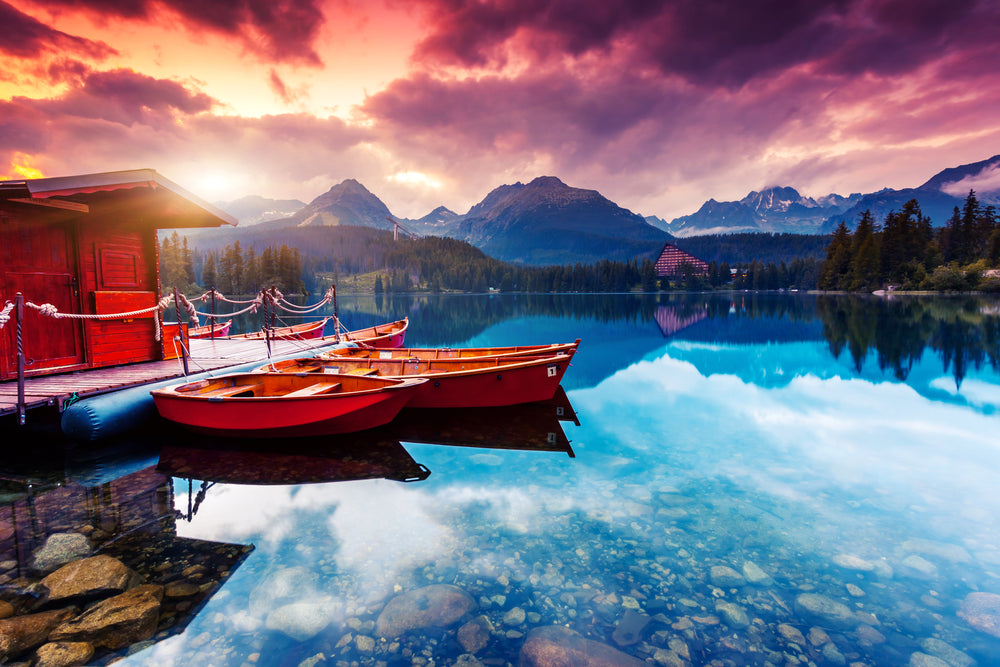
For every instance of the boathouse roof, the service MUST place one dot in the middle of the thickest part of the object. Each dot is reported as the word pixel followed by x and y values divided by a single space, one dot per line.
pixel 157 200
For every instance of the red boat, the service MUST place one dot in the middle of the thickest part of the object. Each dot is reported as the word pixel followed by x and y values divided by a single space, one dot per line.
pixel 304 331
pixel 217 330
pixel 451 383
pixel 266 405
pixel 380 336
pixel 452 352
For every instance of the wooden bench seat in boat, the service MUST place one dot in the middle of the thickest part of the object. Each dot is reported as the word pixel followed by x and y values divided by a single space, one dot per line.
pixel 363 371
pixel 226 392
pixel 314 390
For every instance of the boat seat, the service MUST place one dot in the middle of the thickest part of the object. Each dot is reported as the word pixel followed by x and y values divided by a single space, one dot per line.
pixel 232 391
pixel 363 371
pixel 317 389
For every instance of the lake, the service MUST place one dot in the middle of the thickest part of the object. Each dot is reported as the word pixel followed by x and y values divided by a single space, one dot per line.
pixel 727 479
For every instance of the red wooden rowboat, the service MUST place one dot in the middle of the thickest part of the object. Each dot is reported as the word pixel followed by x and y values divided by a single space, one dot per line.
pixel 217 330
pixel 265 405
pixel 380 336
pixel 452 352
pixel 304 331
pixel 452 383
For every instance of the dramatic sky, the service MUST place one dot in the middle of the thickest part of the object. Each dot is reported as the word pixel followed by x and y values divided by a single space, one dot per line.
pixel 658 104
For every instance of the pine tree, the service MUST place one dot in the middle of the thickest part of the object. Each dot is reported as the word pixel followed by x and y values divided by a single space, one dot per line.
pixel 833 274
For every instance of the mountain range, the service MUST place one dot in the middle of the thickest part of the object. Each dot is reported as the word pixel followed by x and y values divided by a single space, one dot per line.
pixel 541 222
pixel 548 222
pixel 784 210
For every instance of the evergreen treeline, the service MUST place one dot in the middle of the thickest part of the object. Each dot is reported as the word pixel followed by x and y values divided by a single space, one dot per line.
pixel 232 270
pixel 907 253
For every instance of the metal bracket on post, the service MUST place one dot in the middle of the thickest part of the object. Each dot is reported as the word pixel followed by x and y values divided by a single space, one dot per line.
pixel 19 302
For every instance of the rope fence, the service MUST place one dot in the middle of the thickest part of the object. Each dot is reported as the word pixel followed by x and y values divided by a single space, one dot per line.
pixel 271 296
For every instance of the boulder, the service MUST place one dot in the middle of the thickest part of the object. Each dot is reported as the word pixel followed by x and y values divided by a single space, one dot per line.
pixel 946 652
pixel 301 620
pixel 982 611
pixel 732 614
pixel 556 646
pixel 630 627
pixel 88 578
pixel 825 610
pixel 475 635
pixel 724 576
pixel 22 633
pixel 116 622
pixel 435 605
pixel 59 549
pixel 64 654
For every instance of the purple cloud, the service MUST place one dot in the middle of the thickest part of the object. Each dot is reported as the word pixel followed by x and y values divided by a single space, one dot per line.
pixel 125 97
pixel 276 30
pixel 25 37
pixel 710 42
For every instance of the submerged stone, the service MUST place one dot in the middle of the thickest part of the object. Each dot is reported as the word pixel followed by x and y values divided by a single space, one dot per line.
pixel 946 652
pixel 22 633
pixel 556 646
pixel 630 627
pixel 732 614
pixel 755 575
pixel 301 620
pixel 64 654
pixel 435 605
pixel 59 549
pixel 89 577
pixel 982 612
pixel 919 659
pixel 116 622
pixel 475 635
pixel 725 577
pixel 822 608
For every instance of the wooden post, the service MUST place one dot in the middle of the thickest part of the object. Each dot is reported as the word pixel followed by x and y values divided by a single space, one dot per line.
pixel 336 318
pixel 211 320
pixel 19 301
pixel 180 331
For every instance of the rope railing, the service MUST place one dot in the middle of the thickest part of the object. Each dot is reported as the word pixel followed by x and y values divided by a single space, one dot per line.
pixel 272 296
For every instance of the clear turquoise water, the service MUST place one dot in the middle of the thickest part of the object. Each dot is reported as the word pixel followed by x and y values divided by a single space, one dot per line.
pixel 844 448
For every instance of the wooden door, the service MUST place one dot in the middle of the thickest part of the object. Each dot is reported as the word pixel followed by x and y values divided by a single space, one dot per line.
pixel 38 259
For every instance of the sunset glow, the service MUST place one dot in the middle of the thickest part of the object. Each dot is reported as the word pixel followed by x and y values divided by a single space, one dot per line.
pixel 659 106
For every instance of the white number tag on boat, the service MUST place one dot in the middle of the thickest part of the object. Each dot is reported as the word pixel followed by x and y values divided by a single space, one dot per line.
pixel 552 369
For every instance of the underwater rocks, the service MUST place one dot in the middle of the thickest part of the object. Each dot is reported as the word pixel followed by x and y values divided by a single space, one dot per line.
pixel 554 646
pixel 90 577
pixel 825 611
pixel 435 605
pixel 97 609
pixel 982 611
pixel 60 549
pixel 117 621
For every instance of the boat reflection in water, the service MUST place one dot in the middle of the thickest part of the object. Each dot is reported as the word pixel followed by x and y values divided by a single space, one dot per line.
pixel 529 426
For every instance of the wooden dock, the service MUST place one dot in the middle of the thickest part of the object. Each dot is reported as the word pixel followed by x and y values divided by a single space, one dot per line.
pixel 206 355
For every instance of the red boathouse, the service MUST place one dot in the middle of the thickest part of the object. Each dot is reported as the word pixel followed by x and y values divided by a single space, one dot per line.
pixel 87 245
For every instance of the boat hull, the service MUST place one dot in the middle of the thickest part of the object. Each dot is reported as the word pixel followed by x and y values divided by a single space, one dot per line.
pixel 305 331
pixel 221 329
pixel 381 336
pixel 284 416
pixel 432 353
pixel 470 383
